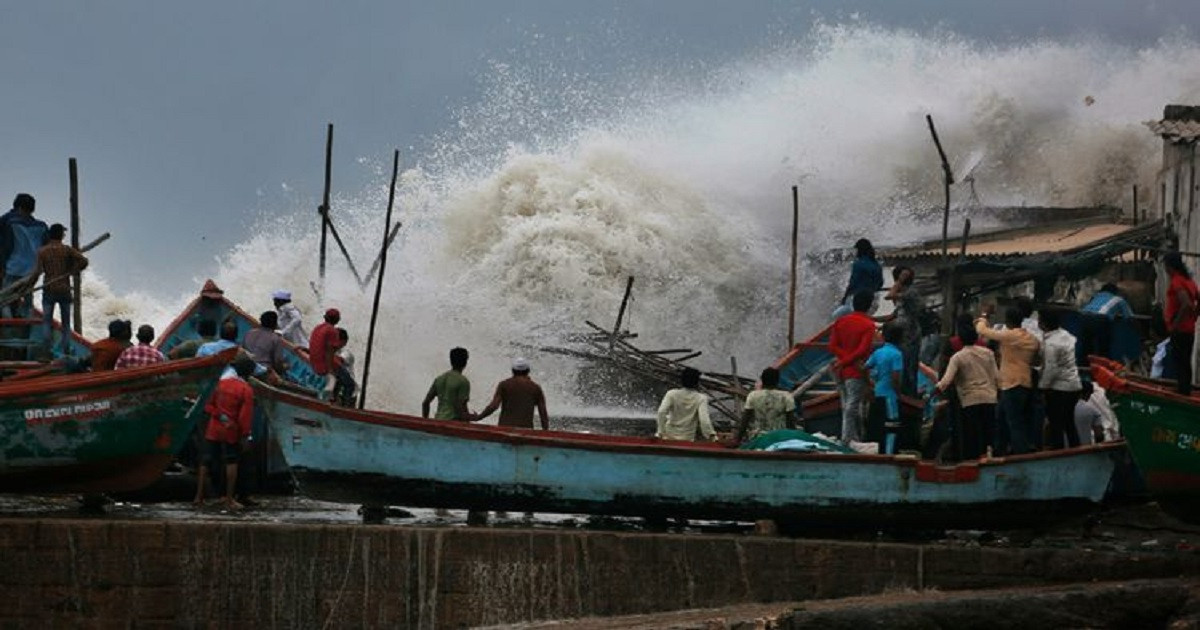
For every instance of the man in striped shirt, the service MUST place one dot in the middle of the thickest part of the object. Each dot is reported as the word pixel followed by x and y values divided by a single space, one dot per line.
pixel 143 353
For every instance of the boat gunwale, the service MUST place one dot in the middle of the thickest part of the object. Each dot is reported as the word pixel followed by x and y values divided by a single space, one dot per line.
pixel 55 384
pixel 637 445
pixel 1113 382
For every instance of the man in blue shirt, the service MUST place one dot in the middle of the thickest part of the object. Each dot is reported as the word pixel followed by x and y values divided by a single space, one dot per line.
pixel 886 366
pixel 1098 316
pixel 21 236
pixel 866 274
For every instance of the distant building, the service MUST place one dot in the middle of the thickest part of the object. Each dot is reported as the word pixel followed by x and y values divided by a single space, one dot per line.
pixel 1175 186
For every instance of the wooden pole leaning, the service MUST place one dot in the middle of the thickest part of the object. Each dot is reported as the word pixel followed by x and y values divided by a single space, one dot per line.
pixel 324 209
pixel 362 394
pixel 791 331
pixel 616 333
pixel 947 271
pixel 76 322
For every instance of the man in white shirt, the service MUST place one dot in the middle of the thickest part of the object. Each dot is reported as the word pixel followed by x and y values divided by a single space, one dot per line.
pixel 1059 380
pixel 685 409
pixel 290 324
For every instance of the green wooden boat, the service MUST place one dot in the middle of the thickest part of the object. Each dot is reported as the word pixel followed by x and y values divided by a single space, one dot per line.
pixel 1162 429
pixel 112 431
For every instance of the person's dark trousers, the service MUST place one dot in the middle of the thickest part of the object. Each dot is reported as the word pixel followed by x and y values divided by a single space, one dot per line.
pixel 1181 358
pixel 1097 335
pixel 876 418
pixel 908 379
pixel 974 422
pixel 1017 415
pixel 1060 416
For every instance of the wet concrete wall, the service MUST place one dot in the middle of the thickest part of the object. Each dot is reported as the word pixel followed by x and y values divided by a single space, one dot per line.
pixel 310 576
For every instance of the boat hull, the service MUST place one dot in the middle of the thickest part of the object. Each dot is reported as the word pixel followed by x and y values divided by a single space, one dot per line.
pixel 388 459
pixel 1163 432
pixel 100 432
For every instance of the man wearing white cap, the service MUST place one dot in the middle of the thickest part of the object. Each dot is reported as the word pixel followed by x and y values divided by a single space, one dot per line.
pixel 517 397
pixel 290 325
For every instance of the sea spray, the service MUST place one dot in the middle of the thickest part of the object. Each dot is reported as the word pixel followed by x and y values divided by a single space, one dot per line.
pixel 525 218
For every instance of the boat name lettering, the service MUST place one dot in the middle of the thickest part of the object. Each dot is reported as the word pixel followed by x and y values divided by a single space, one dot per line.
pixel 1182 441
pixel 77 411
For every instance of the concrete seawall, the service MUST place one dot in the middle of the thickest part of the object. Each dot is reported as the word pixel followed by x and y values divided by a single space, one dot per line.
pixel 171 574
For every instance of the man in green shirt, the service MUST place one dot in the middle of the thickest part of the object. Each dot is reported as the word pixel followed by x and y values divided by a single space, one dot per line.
pixel 452 391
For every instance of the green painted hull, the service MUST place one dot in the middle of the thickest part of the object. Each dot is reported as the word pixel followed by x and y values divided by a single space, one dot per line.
pixel 99 432
pixel 1162 430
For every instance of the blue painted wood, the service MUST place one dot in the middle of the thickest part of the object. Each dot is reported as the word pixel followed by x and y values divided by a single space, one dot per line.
pixel 373 457
pixel 184 328
pixel 803 360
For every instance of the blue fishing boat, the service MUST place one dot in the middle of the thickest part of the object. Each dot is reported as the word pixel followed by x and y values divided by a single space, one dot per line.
pixel 213 306
pixel 378 458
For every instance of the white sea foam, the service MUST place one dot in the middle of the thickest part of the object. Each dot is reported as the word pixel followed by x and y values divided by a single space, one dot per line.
pixel 526 218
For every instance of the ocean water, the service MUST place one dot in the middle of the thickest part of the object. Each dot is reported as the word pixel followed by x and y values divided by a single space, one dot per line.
pixel 524 219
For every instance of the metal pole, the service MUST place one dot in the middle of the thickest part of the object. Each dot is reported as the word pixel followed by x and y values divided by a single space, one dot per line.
pixel 76 322
pixel 324 209
pixel 362 395
pixel 791 331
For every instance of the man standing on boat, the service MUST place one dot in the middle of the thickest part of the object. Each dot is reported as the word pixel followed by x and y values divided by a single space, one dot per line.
pixel 452 390
pixel 972 372
pixel 684 410
pixel 1059 379
pixel 21 236
pixel 850 342
pixel 265 345
pixel 1018 351
pixel 767 409
pixel 1180 316
pixel 290 324
pixel 231 415
pixel 516 398
pixel 866 274
pixel 58 262
pixel 141 354
pixel 322 349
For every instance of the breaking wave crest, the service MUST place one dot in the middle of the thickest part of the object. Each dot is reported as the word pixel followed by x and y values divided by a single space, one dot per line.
pixel 526 218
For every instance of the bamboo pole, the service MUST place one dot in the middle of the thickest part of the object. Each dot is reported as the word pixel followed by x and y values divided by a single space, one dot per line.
pixel 337 238
pixel 948 179
pixel 791 331
pixel 621 313
pixel 324 209
pixel 362 395
pixel 962 252
pixel 375 265
pixel 76 322
pixel 1135 205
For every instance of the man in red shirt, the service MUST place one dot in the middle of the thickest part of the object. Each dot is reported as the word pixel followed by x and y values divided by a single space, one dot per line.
pixel 230 412
pixel 323 345
pixel 850 341
pixel 1180 316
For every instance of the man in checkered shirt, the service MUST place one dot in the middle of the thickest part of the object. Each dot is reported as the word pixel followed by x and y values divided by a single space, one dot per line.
pixel 143 353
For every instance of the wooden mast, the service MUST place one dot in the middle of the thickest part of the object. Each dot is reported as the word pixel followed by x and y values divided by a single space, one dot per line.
pixel 76 322
pixel 387 241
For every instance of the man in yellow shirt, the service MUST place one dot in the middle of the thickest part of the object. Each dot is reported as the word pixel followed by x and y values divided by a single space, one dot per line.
pixel 1018 352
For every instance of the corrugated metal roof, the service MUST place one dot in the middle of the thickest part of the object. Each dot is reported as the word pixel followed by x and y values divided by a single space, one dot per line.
pixel 1175 129
pixel 1046 240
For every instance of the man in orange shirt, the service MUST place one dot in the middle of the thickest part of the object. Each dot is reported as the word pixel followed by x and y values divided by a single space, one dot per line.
pixel 230 412
pixel 106 351
pixel 850 341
